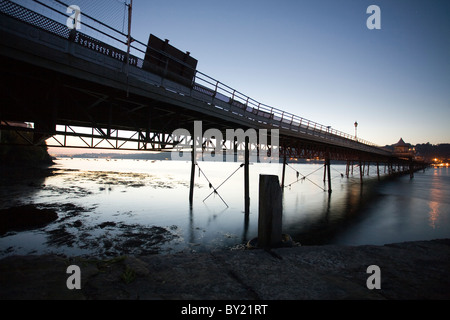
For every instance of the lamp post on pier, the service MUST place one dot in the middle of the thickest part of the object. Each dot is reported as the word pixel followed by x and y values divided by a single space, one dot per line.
pixel 356 130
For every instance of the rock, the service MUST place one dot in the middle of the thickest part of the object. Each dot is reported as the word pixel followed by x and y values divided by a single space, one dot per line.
pixel 137 265
pixel 107 224
pixel 24 218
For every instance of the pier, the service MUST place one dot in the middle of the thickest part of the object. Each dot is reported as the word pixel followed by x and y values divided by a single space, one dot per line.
pixel 68 86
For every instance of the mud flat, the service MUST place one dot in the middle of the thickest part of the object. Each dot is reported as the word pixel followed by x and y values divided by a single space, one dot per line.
pixel 409 270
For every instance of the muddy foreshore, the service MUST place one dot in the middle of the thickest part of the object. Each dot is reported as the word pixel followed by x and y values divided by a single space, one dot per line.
pixel 409 270
pixel 66 223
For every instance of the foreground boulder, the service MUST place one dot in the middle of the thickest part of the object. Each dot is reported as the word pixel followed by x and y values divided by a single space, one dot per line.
pixel 24 218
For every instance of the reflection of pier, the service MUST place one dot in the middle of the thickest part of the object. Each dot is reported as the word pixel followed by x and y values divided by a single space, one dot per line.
pixel 336 213
pixel 77 91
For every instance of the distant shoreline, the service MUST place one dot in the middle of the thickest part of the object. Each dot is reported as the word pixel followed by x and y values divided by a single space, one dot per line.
pixel 425 150
pixel 163 156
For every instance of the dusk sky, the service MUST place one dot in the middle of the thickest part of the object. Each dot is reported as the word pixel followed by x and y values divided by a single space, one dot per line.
pixel 318 59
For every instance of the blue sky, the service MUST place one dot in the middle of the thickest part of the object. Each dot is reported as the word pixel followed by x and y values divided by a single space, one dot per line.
pixel 317 59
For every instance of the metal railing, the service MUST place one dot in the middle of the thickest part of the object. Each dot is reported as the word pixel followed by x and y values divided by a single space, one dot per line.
pixel 214 88
pixel 203 87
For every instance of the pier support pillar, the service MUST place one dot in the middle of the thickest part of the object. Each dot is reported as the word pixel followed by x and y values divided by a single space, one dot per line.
pixel 284 171
pixel 327 173
pixel 247 177
pixel 378 171
pixel 347 168
pixel 191 187
pixel 361 172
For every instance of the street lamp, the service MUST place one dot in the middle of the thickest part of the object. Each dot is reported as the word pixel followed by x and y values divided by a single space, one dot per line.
pixel 356 126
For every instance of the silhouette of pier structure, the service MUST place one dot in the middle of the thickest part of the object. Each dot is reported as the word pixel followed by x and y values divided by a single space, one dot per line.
pixel 69 85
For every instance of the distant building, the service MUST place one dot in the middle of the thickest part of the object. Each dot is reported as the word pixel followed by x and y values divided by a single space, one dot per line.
pixel 403 149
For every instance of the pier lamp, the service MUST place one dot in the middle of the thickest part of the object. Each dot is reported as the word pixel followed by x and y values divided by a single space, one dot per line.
pixel 356 126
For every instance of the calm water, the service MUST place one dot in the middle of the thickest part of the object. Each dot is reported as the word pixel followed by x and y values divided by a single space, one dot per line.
pixel 139 207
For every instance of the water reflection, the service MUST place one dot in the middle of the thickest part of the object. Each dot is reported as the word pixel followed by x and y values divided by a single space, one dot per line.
pixel 437 193
pixel 433 214
pixel 404 210
pixel 107 207
pixel 311 223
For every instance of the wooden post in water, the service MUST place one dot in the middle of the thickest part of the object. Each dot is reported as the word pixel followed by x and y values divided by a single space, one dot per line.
pixel 347 168
pixel 378 171
pixel 191 187
pixel 247 177
pixel 235 150
pixel 329 174
pixel 326 168
pixel 361 172
pixel 284 171
pixel 270 211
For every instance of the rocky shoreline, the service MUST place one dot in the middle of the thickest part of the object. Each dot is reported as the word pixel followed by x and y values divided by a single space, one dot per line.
pixel 25 217
pixel 409 270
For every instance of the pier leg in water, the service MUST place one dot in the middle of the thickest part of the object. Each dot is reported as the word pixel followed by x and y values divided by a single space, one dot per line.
pixel 284 171
pixel 191 187
pixel 247 177
pixel 361 173
pixel 326 168
pixel 347 168
pixel 378 171
pixel 329 174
